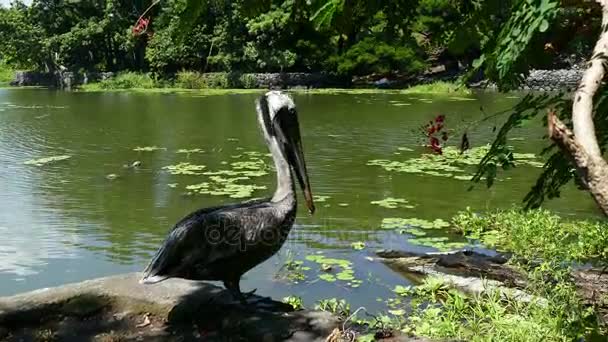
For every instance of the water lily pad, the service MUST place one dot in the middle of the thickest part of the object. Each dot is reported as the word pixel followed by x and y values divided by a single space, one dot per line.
pixel 393 223
pixel 359 245
pixel 148 148
pixel 441 243
pixel 345 276
pixel 452 163
pixel 321 198
pixel 184 169
pixel 394 203
pixel 327 277
pixel 47 160
pixel 188 151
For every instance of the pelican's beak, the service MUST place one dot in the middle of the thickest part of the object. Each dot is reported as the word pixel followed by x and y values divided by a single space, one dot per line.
pixel 288 133
pixel 299 167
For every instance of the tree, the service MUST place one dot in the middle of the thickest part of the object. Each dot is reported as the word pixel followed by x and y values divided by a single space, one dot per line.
pixel 581 148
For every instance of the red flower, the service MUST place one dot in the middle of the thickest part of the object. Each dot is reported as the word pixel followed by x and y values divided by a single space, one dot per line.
pixel 141 26
pixel 440 118
pixel 436 145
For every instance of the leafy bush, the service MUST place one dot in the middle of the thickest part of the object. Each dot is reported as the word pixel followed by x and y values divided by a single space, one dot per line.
pixel 248 81
pixel 7 73
pixel 129 80
pixel 190 80
pixel 537 233
pixel 216 80
pixel 439 87
pixel 370 56
pixel 221 80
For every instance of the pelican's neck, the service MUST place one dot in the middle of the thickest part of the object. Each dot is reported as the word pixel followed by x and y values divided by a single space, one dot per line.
pixel 285 185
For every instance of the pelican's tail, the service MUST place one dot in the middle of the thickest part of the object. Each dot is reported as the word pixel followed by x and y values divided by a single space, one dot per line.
pixel 160 267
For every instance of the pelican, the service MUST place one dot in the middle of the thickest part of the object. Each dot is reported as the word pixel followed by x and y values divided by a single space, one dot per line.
pixel 222 243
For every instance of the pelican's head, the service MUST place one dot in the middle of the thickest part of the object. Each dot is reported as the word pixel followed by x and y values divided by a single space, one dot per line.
pixel 278 118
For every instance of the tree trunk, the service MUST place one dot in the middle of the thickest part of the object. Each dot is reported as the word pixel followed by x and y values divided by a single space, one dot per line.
pixel 580 144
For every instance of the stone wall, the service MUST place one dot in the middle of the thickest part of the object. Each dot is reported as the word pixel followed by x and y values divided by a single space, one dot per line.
pixel 59 79
pixel 553 80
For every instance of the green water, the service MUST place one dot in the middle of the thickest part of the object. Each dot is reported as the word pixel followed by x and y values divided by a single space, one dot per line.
pixel 67 222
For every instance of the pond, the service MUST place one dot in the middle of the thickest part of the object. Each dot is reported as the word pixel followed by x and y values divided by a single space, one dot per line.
pixel 88 215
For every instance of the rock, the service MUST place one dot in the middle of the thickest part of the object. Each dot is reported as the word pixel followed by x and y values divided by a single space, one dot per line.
pixel 172 308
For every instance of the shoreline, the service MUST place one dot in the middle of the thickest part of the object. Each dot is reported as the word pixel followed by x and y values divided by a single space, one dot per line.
pixel 537 80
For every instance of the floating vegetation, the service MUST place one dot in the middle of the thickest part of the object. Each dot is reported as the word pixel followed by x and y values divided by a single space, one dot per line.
pixel 255 164
pixel 458 98
pixel 321 198
pixel 413 231
pixel 343 204
pixel 228 188
pixel 188 151
pixel 296 302
pixel 417 227
pixel 227 182
pixel 184 169
pixel 406 149
pixel 173 185
pixel 359 245
pixel 399 104
pixel 346 272
pixel 293 271
pixel 394 203
pixel 452 163
pixel 441 243
pixel 148 148
pixel 47 160
pixel 394 223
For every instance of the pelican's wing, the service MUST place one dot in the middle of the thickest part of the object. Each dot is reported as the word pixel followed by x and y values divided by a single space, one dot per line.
pixel 200 238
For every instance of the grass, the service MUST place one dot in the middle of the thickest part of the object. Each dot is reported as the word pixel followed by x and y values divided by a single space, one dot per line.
pixel 7 74
pixel 439 87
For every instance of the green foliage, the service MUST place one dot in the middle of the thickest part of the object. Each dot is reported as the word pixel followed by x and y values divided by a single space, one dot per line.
pixel 544 247
pixel 296 302
pixel 338 307
pixel 370 56
pixel 7 73
pixel 189 80
pixel 128 80
pixel 503 57
pixel 438 87
pixel 537 234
